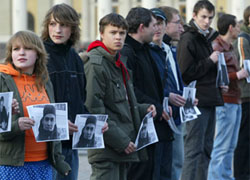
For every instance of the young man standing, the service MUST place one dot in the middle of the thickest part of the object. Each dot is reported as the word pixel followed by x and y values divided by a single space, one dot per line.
pixel 60 32
pixel 147 83
pixel 197 61
pixel 228 116
pixel 242 152
pixel 174 87
pixel 110 91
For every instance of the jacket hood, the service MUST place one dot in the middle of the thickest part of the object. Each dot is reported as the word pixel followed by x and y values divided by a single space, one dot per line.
pixel 245 29
pixel 97 43
pixel 191 27
pixel 9 69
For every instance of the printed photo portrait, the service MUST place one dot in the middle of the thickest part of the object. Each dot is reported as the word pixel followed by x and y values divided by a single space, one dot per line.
pixel 51 121
pixel 147 133
pixel 5 111
pixel 89 135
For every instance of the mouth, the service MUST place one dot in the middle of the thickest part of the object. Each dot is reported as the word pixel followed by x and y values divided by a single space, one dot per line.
pixel 22 60
pixel 58 37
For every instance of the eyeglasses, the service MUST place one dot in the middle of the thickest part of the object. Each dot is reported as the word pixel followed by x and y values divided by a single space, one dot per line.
pixel 176 22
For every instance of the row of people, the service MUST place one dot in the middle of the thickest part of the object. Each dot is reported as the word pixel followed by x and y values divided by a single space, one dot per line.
pixel 128 73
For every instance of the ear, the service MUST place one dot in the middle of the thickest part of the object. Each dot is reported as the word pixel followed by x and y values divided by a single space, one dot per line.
pixel 101 35
pixel 230 28
pixel 140 28
pixel 194 15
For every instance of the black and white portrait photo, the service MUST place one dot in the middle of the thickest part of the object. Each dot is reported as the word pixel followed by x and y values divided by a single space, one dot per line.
pixel 51 122
pixel 89 135
pixel 147 133
pixel 5 111
pixel 222 75
pixel 247 67
pixel 189 95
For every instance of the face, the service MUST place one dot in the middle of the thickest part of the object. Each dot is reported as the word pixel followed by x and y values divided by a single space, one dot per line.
pixel 113 38
pixel 144 131
pixel 160 30
pixel 174 28
pixel 1 104
pixel 88 131
pixel 49 122
pixel 23 58
pixel 235 30
pixel 59 33
pixel 148 32
pixel 203 18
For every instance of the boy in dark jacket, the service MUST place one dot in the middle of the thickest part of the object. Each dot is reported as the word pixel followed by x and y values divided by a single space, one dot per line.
pixel 60 32
pixel 110 91
pixel 197 61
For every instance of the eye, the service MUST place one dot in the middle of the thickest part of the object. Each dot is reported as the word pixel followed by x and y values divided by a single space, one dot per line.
pixel 52 23
pixel 15 48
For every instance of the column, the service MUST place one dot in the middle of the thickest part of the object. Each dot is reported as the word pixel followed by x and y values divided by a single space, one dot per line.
pixel 85 21
pixel 124 7
pixel 19 15
pixel 148 4
pixel 62 1
pixel 189 9
pixel 237 8
pixel 104 8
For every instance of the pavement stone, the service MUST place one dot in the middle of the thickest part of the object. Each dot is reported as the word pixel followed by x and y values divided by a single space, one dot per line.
pixel 84 166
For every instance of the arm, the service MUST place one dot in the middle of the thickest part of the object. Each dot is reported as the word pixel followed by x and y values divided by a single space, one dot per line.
pixel 192 68
pixel 96 87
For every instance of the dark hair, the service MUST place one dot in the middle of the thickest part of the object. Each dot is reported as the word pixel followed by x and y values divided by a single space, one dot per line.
pixel 246 16
pixel 224 22
pixel 64 14
pixel 2 98
pixel 203 4
pixel 137 16
pixel 113 19
pixel 169 12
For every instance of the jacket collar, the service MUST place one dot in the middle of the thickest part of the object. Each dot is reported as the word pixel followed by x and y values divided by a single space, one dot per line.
pixel 223 43
pixel 245 29
pixel 135 44
pixel 167 39
pixel 58 48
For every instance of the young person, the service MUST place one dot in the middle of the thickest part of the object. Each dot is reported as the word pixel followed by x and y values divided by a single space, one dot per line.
pixel 197 61
pixel 228 117
pixel 148 88
pixel 242 152
pixel 110 91
pixel 25 73
pixel 60 32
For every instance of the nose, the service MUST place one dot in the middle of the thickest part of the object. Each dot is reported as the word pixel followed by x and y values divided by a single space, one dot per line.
pixel 22 51
pixel 58 28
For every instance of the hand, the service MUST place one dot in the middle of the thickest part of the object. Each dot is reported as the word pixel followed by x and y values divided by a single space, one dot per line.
pixel 224 89
pixel 241 74
pixel 15 107
pixel 72 127
pixel 214 56
pixel 176 99
pixel 25 123
pixel 165 116
pixel 131 148
pixel 105 127
pixel 153 109
pixel 196 101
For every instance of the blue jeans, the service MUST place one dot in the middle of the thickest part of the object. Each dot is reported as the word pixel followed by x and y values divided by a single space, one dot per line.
pixel 198 145
pixel 178 154
pixel 228 119
pixel 71 157
pixel 162 161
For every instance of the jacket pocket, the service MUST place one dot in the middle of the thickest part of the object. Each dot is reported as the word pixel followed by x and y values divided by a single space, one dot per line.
pixel 119 91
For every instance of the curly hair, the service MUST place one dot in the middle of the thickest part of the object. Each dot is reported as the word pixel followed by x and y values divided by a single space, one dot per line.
pixel 30 40
pixel 64 14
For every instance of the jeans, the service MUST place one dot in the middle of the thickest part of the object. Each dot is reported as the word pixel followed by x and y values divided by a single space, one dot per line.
pixel 228 119
pixel 242 151
pixel 162 161
pixel 198 145
pixel 177 154
pixel 71 157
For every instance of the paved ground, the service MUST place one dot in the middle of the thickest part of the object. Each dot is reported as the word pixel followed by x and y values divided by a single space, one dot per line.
pixel 84 167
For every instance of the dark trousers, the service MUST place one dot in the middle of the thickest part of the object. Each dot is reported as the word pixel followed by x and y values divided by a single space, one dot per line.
pixel 142 170
pixel 198 145
pixel 242 152
pixel 163 161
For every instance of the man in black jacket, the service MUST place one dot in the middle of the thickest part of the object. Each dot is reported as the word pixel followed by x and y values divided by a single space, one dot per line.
pixel 147 83
pixel 197 61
